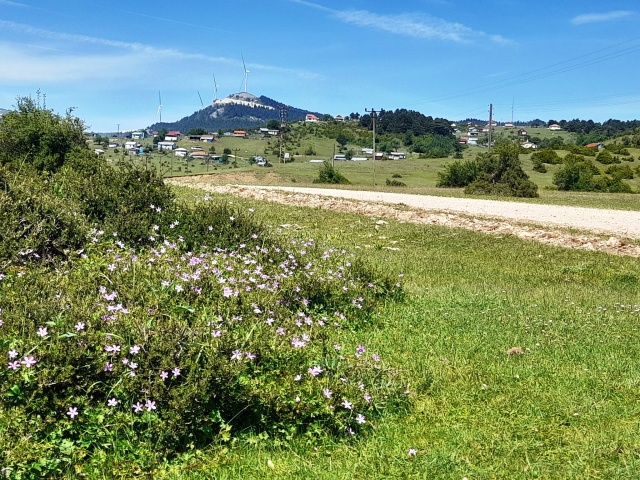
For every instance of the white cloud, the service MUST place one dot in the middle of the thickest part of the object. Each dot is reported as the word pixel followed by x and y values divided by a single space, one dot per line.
pixel 411 25
pixel 600 17
pixel 12 4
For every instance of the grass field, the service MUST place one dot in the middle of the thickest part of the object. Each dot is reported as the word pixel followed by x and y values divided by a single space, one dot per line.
pixel 566 408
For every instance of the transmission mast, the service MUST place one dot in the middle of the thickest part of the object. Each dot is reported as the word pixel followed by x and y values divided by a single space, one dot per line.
pixel 373 113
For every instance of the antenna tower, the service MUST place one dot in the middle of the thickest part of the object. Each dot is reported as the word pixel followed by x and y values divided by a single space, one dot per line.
pixel 284 112
pixel 374 114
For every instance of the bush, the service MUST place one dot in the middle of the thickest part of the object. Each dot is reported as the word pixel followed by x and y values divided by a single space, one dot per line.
pixel 495 173
pixel 34 136
pixel 395 183
pixel 620 172
pixel 328 174
pixel 177 350
pixel 546 156
pixel 606 158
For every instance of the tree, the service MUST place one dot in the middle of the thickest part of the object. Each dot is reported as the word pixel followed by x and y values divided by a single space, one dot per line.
pixel 273 124
pixel 197 131
pixel 160 136
pixel 36 136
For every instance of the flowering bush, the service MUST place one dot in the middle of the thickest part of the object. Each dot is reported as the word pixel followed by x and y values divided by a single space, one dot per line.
pixel 187 341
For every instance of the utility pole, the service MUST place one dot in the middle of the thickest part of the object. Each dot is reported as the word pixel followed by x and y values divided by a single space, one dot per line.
pixel 284 110
pixel 373 162
pixel 490 123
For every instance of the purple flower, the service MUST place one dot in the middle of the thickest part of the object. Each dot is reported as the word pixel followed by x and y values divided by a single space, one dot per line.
pixel 375 357
pixel 13 354
pixel 250 355
pixel 79 326
pixel 108 367
pixel 112 402
pixel 361 419
pixel 72 412
pixel 236 355
pixel 176 372
pixel 149 405
pixel 137 407
pixel 367 398
pixel 297 343
pixel 314 371
pixel 412 452
pixel 297 378
pixel 134 349
pixel 227 292
pixel 216 333
pixel 327 393
pixel 28 362
pixel 14 365
pixel 347 404
pixel 42 332
pixel 164 375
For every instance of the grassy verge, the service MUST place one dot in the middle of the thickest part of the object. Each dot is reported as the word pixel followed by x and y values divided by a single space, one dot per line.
pixel 566 408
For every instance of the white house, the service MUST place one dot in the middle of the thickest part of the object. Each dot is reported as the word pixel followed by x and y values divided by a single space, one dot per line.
pixel 555 127
pixel 180 152
pixel 311 118
pixel 472 141
pixel 529 144
pixel 206 138
pixel 166 145
pixel 137 135
pixel 397 155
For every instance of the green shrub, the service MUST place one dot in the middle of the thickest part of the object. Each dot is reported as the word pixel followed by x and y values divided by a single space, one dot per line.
pixel 546 156
pixel 620 172
pixel 395 183
pixel 606 158
pixel 458 174
pixel 538 166
pixel 328 174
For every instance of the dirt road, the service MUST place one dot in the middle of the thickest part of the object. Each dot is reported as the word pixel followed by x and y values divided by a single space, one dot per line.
pixel 612 231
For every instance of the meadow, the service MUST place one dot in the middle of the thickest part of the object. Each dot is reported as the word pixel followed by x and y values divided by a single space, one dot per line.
pixel 522 360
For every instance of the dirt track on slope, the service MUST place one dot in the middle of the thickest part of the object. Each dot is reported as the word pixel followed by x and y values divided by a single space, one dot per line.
pixel 611 231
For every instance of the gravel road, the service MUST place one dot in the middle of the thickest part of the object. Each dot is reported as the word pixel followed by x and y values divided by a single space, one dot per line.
pixel 611 231
pixel 609 222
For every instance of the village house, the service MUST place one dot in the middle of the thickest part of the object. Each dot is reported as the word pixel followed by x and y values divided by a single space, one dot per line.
pixel 311 118
pixel 166 145
pixel 172 136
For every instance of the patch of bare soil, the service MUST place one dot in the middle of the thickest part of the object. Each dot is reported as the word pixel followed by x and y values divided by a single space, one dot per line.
pixel 402 213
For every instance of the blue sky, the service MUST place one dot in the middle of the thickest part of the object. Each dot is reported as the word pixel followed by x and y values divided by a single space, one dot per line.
pixel 445 58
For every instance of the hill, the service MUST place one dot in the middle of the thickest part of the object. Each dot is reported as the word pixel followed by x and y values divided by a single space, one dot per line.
pixel 239 110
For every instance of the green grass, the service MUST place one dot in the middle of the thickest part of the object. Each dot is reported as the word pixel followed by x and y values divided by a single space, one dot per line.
pixel 567 408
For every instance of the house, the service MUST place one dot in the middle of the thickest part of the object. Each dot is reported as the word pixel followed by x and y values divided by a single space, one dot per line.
pixel 529 145
pixel 206 138
pixel 379 155
pixel 180 152
pixel 311 118
pixel 166 145
pixel 522 132
pixel 472 141
pixel 113 145
pixel 172 136
pixel 397 155
pixel 508 125
pixel 339 118
pixel 98 151
pixel 137 135
pixel 473 132
pixel 555 127
pixel 339 157
pixel 239 133
pixel 131 145
pixel 367 151
pixel 597 145
pixel 195 138
pixel 463 140
pixel 199 154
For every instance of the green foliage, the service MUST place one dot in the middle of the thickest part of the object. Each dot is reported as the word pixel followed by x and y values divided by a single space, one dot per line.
pixel 329 174
pixel 395 183
pixel 546 155
pixel 606 158
pixel 435 146
pixel 620 171
pixel 496 173
pixel 616 148
pixel 580 174
pixel 34 136
pixel 197 131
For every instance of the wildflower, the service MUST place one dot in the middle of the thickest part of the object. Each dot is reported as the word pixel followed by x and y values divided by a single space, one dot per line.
pixel 347 404
pixel 412 452
pixel 327 393
pixel 164 375
pixel 375 357
pixel 232 218
pixel 112 402
pixel 179 288
pixel 297 378
pixel 137 407
pixel 133 365
pixel 216 333
pixel 314 371
pixel 337 347
pixel 236 355
pixel 12 354
pixel 297 343
pixel 134 349
pixel 176 372
pixel 72 412
pixel 28 362
pixel 111 267
pixel 360 419
pixel 280 331
pixel 250 355
pixel 42 332
pixel 108 367
pixel 79 326
pixel 150 405
pixel 14 365
pixel 367 398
